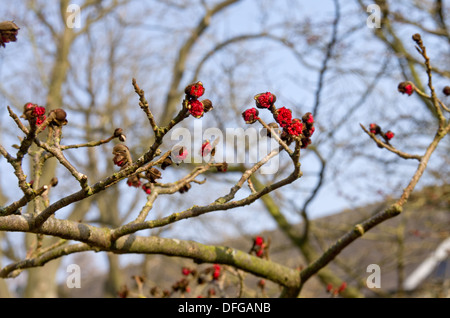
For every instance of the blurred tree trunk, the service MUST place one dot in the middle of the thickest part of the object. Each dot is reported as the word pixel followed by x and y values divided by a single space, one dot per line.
pixel 4 290
pixel 115 277
pixel 41 282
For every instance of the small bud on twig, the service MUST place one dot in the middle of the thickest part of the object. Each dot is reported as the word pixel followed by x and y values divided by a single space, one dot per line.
pixel 166 163
pixel 54 182
pixel 417 38
pixel 446 90
pixel 153 174
pixel 195 90
pixel 59 117
pixel 223 167
pixel 207 105
pixel 118 133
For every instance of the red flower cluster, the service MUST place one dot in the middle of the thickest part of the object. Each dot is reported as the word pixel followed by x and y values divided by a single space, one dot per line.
pixel 308 118
pixel 259 247
pixel 295 128
pixel 186 271
pixel 195 90
pixel 259 241
pixel 389 135
pixel 146 188
pixel 134 181
pixel 216 272
pixel 196 108
pixel 284 117
pixel 118 162
pixel 265 100
pixel 406 88
pixel 376 130
pixel 308 129
pixel 261 283
pixel 250 115
pixel 34 114
pixel 336 291
pixel 329 287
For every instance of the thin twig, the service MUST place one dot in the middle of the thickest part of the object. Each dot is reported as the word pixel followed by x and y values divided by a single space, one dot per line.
pixel 17 121
pixel 275 135
pixel 88 144
pixel 144 105
pixel 402 154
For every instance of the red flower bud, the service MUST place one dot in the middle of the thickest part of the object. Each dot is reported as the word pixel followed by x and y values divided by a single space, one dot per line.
pixel 146 189
pixel 262 283
pixel 185 271
pixel 40 120
pixel 389 135
pixel 134 181
pixel 39 111
pixel 216 273
pixel 306 142
pixel 195 90
pixel 265 100
pixel 295 128
pixel 329 288
pixel 196 108
pixel 34 113
pixel 259 241
pixel 406 88
pixel 342 287
pixel 308 118
pixel 374 128
pixel 284 117
pixel 260 252
pixel 250 115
